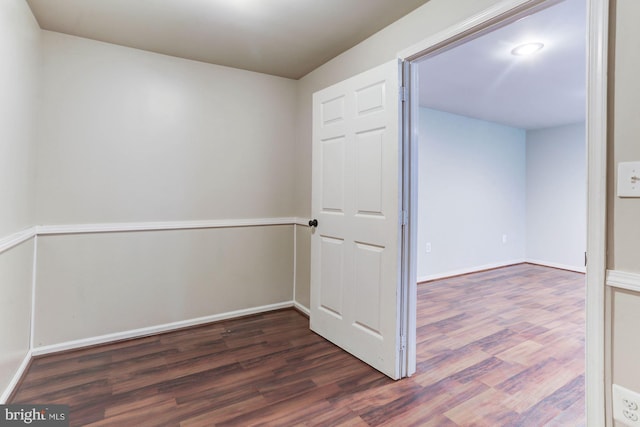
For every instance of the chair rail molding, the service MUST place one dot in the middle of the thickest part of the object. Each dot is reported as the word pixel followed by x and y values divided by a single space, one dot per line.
pixel 117 227
pixel 623 280
pixel 15 239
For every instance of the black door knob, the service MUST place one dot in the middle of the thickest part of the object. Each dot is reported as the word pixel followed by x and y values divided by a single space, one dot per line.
pixel 313 223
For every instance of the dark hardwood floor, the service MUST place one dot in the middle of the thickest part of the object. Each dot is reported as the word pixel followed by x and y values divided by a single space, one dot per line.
pixel 498 348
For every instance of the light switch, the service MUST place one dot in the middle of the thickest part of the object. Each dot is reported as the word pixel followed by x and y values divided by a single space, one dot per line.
pixel 629 179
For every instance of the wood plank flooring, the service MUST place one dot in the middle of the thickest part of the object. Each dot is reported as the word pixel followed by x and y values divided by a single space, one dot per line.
pixel 498 348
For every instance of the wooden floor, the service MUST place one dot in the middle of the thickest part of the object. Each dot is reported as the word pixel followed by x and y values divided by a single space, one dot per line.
pixel 499 348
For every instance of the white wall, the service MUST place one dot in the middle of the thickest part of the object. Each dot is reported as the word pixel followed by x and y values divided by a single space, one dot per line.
pixel 471 192
pixel 462 187
pixel 19 86
pixel 556 196
pixel 130 136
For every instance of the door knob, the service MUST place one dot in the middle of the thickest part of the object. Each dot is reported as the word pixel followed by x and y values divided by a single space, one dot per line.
pixel 313 223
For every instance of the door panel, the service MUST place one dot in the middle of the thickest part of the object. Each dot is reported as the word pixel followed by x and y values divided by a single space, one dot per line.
pixel 355 254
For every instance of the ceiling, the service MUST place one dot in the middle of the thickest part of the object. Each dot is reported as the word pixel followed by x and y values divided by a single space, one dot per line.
pixel 290 38
pixel 482 79
pixel 287 38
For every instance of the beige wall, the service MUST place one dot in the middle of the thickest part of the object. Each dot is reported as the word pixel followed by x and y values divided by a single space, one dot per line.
pixel 135 136
pixel 132 136
pixel 624 243
pixel 20 49
pixel 19 87
pixel 96 284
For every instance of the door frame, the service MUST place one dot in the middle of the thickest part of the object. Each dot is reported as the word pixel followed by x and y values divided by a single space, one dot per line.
pixel 501 14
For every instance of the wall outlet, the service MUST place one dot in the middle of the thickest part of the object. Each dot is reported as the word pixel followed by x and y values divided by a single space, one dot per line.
pixel 428 248
pixel 504 238
pixel 626 406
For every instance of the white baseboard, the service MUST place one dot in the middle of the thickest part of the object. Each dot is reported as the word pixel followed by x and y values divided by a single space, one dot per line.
pixel 16 378
pixel 15 239
pixel 152 330
pixel 623 280
pixel 137 333
pixel 468 270
pixel 301 308
pixel 578 269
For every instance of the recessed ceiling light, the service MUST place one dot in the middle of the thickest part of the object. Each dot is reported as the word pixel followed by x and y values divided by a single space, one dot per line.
pixel 527 49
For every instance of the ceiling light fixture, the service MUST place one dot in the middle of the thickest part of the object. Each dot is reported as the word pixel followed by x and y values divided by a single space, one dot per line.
pixel 527 49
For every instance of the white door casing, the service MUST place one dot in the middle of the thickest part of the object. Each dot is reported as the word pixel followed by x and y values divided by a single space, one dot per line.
pixel 357 200
pixel 502 13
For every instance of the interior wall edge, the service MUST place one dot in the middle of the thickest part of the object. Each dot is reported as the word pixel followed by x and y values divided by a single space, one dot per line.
pixel 302 308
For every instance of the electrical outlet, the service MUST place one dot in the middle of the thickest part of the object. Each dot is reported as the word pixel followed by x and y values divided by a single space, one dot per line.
pixel 626 406
pixel 428 247
pixel 504 238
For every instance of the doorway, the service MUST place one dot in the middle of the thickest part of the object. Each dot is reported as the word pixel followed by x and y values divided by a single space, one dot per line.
pixel 502 148
pixel 502 181
pixel 339 155
pixel 595 130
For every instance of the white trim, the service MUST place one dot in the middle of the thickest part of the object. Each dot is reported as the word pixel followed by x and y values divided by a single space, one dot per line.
pixel 597 112
pixel 301 221
pixel 302 308
pixel 409 264
pixel 597 80
pixel 15 239
pixel 483 21
pixel 469 270
pixel 16 378
pixel 557 265
pixel 32 318
pixel 158 329
pixel 295 260
pixel 164 225
pixel 623 280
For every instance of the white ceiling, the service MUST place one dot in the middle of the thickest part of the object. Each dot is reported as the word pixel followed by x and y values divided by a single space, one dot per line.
pixel 482 79
pixel 287 38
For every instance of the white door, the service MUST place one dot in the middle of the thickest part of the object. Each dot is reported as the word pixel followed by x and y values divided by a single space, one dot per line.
pixel 357 201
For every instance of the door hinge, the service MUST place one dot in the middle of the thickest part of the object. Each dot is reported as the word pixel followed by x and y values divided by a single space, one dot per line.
pixel 402 94
pixel 405 218
pixel 585 259
pixel 403 342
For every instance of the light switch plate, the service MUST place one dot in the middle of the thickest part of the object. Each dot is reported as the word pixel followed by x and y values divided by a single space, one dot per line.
pixel 629 179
